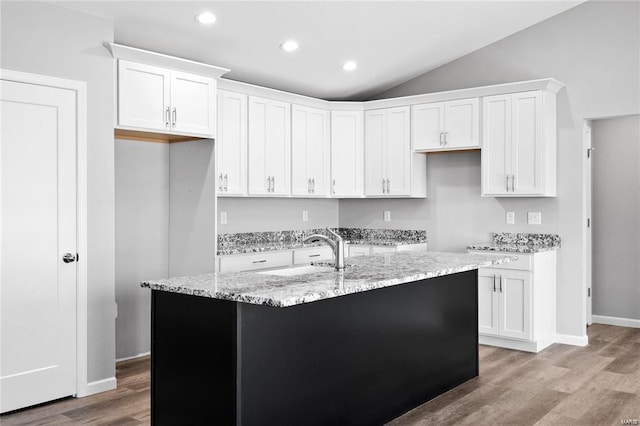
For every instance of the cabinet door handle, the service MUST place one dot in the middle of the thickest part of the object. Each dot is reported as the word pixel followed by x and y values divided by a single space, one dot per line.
pixel 507 182
pixel 260 261
pixel 226 182
pixel 175 116
pixel 501 283
pixel 220 182
pixel 388 186
pixel 446 136
pixel 333 186
pixel 308 185
pixel 314 255
pixel 273 184
pixel 268 183
pixel 513 183
pixel 167 117
pixel 383 187
pixel 494 283
pixel 313 185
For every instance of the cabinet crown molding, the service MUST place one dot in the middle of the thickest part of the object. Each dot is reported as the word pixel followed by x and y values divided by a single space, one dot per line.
pixel 119 51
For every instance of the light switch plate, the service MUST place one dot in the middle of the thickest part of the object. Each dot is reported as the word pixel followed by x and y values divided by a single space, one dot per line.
pixel 511 218
pixel 305 215
pixel 534 218
pixel 387 216
pixel 223 218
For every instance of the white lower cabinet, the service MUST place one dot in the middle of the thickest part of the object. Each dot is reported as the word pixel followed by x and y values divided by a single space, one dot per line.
pixel 312 254
pixel 254 261
pixel 355 250
pixel 517 302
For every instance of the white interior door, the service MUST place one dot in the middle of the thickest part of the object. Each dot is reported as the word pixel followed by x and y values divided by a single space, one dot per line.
pixel 588 194
pixel 37 228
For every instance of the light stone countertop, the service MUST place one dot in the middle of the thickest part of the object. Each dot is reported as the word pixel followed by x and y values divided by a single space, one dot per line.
pixel 511 248
pixel 361 274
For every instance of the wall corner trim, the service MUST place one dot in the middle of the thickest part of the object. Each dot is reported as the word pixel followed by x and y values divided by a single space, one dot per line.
pixel 570 339
pixel 621 322
pixel 99 386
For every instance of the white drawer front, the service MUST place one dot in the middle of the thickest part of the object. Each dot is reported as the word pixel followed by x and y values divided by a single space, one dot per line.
pixel 250 262
pixel 524 262
pixel 382 249
pixel 308 255
pixel 357 250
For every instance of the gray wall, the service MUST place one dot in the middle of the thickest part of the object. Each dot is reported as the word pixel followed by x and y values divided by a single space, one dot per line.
pixel 142 237
pixel 616 217
pixel 594 49
pixel 192 207
pixel 277 214
pixel 43 39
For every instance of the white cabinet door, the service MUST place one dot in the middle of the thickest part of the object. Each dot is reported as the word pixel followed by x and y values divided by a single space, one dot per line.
pixel 515 295
pixel 526 153
pixel 259 179
pixel 254 261
pixel 382 249
pixel 347 153
pixel 310 151
pixel 375 136
pixel 427 126
pixel 232 143
pixel 269 146
pixel 488 303
pixel 279 147
pixel 496 140
pixel 461 124
pixel 193 104
pixel 143 96
pixel 397 159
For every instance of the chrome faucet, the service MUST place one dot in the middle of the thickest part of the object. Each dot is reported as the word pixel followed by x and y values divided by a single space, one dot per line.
pixel 337 246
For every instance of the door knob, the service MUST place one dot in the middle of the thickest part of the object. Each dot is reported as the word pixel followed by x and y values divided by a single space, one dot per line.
pixel 68 258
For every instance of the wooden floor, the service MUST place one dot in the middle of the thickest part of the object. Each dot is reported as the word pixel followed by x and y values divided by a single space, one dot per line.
pixel 563 385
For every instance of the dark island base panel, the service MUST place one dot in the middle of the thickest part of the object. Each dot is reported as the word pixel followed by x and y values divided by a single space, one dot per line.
pixel 361 359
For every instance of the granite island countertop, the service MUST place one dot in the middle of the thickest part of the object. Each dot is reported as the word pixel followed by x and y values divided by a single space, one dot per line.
pixel 361 274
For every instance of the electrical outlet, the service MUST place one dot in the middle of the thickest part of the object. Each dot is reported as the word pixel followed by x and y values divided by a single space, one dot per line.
pixel 223 218
pixel 387 216
pixel 534 218
pixel 511 218
pixel 305 215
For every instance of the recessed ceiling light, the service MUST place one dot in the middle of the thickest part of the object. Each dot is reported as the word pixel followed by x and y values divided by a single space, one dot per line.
pixel 205 18
pixel 349 66
pixel 289 46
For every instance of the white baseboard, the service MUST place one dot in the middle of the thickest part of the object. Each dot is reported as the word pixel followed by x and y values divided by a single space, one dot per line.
pixel 100 386
pixel 622 322
pixel 570 339
pixel 127 358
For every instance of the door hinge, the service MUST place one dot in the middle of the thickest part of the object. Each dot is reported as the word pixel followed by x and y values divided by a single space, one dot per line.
pixel 588 222
pixel 589 292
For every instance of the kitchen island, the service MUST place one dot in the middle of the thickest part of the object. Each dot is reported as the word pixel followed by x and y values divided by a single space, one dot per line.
pixel 314 346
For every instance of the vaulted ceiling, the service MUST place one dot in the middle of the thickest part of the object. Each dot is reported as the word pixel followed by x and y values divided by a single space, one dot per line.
pixel 391 41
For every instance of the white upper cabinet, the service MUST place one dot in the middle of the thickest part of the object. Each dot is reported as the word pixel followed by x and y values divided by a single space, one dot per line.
pixel 519 144
pixel 269 146
pixel 310 151
pixel 157 99
pixel 347 143
pixel 232 143
pixel 388 152
pixel 143 96
pixel 445 126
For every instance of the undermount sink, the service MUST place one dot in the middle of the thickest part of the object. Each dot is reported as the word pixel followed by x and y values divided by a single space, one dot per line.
pixel 298 270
